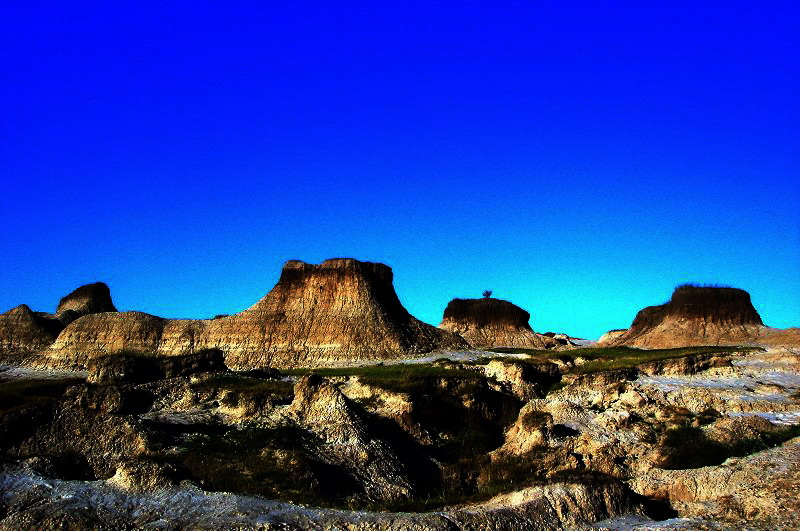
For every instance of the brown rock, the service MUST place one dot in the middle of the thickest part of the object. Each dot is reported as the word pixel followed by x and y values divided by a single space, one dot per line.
pixel 491 322
pixel 694 316
pixel 342 310
pixel 757 491
pixel 22 329
pixel 347 441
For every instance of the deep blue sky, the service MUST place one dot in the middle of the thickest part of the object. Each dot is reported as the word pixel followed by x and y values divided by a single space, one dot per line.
pixel 578 159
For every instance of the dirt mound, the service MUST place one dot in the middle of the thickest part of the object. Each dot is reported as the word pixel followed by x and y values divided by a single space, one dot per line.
pixel 695 315
pixel 339 311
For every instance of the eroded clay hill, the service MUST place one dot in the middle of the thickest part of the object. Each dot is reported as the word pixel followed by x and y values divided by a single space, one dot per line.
pixel 694 315
pixel 341 310
pixel 489 322
pixel 22 329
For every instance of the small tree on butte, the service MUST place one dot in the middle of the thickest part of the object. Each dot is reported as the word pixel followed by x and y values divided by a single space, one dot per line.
pixel 487 293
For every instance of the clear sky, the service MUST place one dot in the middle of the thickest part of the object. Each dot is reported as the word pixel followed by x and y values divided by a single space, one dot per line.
pixel 579 159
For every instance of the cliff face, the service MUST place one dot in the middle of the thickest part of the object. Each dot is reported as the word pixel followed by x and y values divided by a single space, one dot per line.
pixel 694 316
pixel 492 323
pixel 339 311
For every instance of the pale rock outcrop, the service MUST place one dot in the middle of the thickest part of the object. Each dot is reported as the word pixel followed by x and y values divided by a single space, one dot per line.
pixel 525 380
pixel 399 407
pixel 762 488
pixel 346 440
pixel 533 429
pixel 610 336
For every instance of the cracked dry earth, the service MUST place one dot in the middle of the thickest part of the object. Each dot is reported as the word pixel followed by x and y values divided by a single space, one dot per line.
pixel 702 442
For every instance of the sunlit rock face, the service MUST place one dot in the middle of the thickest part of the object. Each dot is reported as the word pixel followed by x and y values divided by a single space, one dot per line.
pixel 338 311
pixel 694 316
pixel 491 322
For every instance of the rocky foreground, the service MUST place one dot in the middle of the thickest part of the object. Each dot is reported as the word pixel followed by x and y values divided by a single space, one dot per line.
pixel 615 438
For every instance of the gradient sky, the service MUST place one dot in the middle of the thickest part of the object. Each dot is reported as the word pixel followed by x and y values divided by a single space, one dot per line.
pixel 579 159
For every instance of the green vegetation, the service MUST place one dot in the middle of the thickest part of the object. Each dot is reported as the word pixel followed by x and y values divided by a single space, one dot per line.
pixel 399 378
pixel 614 358
pixel 625 357
pixel 688 447
pixel 256 460
pixel 245 384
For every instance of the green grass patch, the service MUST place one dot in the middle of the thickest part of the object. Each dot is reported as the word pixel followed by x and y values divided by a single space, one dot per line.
pixel 688 447
pixel 615 358
pixel 400 378
pixel 246 384
pixel 270 461
pixel 612 358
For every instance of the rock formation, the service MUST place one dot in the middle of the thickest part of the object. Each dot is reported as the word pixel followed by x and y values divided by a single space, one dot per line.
pixel 321 408
pixel 22 329
pixel 492 322
pixel 89 298
pixel 694 316
pixel 342 310
pixel 611 335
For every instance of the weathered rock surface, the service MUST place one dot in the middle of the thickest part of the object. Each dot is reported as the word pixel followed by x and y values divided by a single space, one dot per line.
pixel 761 489
pixel 22 329
pixel 491 322
pixel 609 337
pixel 347 441
pixel 694 316
pixel 124 368
pixel 337 312
pixel 559 440
pixel 525 380
pixel 31 502
pixel 89 298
